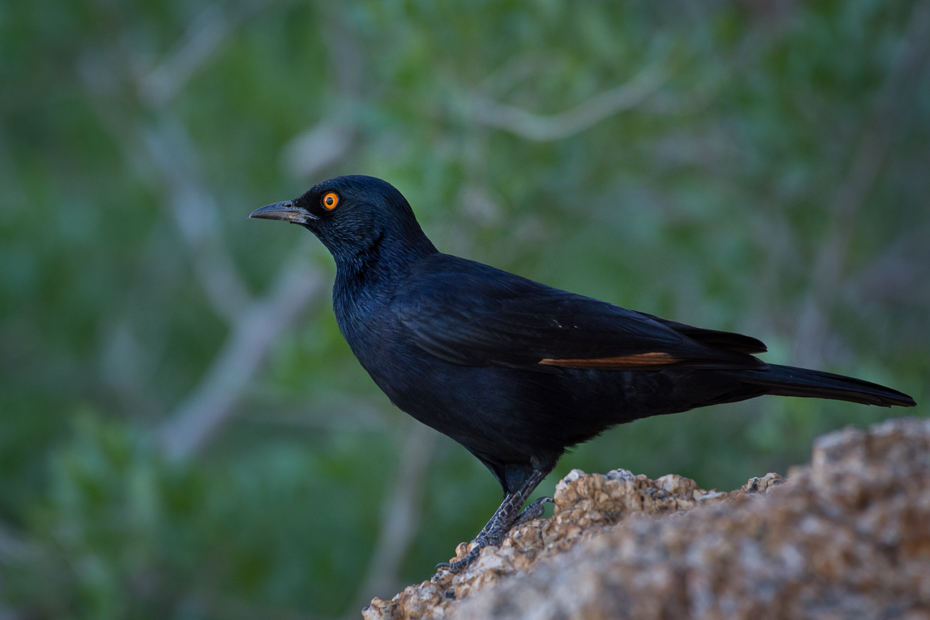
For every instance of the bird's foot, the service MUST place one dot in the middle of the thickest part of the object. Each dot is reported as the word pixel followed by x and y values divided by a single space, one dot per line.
pixel 494 532
pixel 491 536
pixel 457 566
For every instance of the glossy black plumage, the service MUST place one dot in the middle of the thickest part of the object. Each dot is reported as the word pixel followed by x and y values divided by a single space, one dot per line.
pixel 514 370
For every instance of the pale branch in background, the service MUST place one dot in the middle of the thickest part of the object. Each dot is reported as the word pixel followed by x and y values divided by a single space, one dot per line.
pixel 542 128
pixel 254 331
pixel 197 216
pixel 317 147
pixel 164 147
pixel 213 401
pixel 12 546
pixel 201 41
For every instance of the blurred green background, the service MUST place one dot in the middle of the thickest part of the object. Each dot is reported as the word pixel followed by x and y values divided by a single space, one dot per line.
pixel 183 431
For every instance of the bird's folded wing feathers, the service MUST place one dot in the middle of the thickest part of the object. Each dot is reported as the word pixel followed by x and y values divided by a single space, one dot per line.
pixel 470 314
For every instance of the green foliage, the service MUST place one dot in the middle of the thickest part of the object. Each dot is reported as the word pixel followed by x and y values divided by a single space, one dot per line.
pixel 768 176
pixel 123 534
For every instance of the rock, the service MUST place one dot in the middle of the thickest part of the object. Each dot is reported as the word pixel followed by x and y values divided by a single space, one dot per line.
pixel 846 537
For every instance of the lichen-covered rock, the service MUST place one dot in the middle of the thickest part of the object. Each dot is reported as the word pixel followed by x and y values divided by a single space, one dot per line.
pixel 846 537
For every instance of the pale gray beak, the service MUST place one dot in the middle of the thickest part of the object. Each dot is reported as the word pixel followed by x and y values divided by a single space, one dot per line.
pixel 285 211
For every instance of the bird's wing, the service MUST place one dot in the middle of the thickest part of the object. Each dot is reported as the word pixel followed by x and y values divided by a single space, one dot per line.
pixel 471 314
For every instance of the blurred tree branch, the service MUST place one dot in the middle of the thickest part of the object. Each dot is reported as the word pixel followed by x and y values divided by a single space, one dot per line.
pixel 195 211
pixel 226 381
pixel 201 41
pixel 542 128
pixel 212 402
pixel 12 547
pixel 254 323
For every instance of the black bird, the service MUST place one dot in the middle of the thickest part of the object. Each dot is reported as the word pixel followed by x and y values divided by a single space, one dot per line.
pixel 516 371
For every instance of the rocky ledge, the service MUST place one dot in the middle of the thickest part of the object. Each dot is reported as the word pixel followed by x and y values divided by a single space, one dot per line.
pixel 847 536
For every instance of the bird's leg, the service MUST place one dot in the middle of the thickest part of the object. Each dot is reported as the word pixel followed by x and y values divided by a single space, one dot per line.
pixel 504 518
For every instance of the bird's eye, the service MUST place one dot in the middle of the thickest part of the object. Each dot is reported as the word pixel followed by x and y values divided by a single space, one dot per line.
pixel 330 200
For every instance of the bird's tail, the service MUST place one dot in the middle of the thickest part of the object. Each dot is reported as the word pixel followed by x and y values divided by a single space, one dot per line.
pixel 790 381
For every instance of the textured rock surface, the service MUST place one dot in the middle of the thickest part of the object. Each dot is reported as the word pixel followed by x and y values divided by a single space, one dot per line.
pixel 846 537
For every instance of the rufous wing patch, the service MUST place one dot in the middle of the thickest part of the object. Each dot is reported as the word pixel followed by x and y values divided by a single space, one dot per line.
pixel 637 360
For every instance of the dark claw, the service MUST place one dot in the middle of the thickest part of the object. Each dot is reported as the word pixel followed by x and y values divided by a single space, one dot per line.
pixel 533 511
pixel 460 565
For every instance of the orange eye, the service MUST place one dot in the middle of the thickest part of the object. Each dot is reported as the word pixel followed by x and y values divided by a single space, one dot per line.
pixel 330 201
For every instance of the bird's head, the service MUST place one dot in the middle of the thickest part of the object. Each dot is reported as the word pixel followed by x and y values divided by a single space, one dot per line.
pixel 353 215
